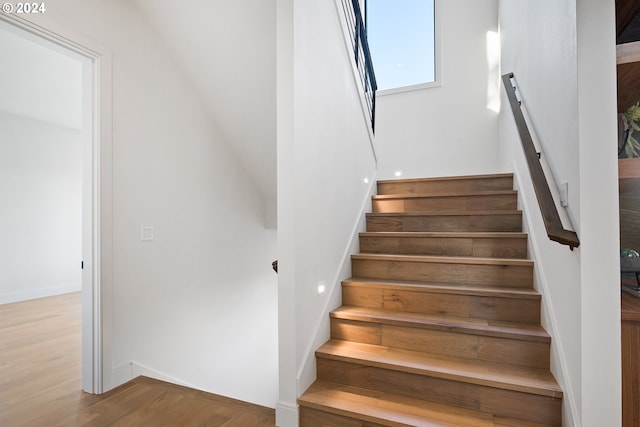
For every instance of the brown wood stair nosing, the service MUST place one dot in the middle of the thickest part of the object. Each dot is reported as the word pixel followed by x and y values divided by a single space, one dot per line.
pixel 447 178
pixel 445 203
pixel 448 288
pixel 444 213
pixel 465 325
pixel 490 221
pixel 446 185
pixel 533 381
pixel 484 193
pixel 387 409
pixel 448 234
pixel 498 221
pixel 465 270
pixel 476 244
pixel 443 259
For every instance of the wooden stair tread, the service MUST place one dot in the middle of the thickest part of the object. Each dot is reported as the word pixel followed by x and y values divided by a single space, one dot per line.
pixel 388 409
pixel 450 243
pixel 447 185
pixel 443 213
pixel 499 375
pixel 444 259
pixel 447 178
pixel 447 234
pixel 448 220
pixel 440 324
pixel 469 325
pixel 447 195
pixel 449 288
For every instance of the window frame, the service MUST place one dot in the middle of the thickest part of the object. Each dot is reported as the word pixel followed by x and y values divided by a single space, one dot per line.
pixel 437 81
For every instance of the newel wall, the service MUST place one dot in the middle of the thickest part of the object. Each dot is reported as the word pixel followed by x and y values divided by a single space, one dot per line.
pixel 563 57
pixel 326 169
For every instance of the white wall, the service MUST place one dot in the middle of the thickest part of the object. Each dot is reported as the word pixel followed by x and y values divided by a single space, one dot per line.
pixel 198 304
pixel 40 218
pixel 536 62
pixel 599 214
pixel 545 68
pixel 39 80
pixel 235 80
pixel 324 155
pixel 447 129
pixel 563 57
pixel 40 169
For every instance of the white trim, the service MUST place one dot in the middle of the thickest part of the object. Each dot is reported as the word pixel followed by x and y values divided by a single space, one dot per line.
pixel 412 88
pixel 97 352
pixel 92 334
pixel 122 374
pixel 287 415
pixel 568 394
pixel 438 43
pixel 306 373
pixel 51 36
pixel 130 370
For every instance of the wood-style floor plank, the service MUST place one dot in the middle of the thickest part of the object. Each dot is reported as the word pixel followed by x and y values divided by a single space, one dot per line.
pixel 40 380
pixel 376 408
pixel 499 375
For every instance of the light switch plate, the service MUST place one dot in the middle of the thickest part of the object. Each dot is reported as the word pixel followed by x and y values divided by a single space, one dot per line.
pixel 146 233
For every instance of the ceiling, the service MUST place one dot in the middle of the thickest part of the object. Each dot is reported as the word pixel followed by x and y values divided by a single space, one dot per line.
pixel 227 51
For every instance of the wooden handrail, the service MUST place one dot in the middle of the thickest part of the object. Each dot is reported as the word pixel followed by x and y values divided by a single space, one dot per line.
pixel 550 215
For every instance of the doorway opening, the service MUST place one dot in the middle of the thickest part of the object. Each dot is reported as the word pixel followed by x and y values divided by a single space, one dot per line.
pixel 53 91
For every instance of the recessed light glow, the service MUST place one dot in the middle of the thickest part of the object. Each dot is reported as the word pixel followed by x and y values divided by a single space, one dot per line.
pixel 398 173
pixel 321 288
pixel 366 180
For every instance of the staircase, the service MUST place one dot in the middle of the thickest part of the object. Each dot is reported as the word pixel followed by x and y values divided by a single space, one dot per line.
pixel 440 324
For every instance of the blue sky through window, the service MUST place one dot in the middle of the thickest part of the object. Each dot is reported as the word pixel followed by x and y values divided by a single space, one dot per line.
pixel 401 40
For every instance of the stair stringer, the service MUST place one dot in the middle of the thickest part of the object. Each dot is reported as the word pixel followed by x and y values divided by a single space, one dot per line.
pixel 321 333
pixel 548 318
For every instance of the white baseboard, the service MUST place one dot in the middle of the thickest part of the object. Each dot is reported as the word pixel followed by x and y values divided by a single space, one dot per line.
pixel 121 374
pixel 10 297
pixel 287 415
pixel 128 371
pixel 542 285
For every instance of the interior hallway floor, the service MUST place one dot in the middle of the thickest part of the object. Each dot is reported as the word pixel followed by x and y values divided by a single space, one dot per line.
pixel 40 380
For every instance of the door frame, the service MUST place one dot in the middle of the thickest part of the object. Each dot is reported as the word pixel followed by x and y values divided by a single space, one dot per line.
pixel 97 236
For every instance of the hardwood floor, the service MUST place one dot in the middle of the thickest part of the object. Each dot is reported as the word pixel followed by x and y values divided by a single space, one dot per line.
pixel 40 380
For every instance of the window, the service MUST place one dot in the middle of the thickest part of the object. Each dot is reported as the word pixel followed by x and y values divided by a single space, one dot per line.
pixel 401 35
